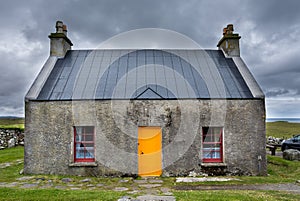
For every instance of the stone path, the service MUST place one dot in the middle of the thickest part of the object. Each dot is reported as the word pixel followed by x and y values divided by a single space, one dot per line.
pixel 16 162
pixel 152 189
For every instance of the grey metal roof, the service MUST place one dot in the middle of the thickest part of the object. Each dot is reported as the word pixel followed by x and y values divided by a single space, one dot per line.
pixel 144 74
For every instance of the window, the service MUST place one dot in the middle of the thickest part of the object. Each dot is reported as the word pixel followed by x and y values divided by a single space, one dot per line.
pixel 84 144
pixel 212 150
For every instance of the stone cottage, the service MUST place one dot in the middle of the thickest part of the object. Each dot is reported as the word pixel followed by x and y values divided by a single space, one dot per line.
pixel 146 112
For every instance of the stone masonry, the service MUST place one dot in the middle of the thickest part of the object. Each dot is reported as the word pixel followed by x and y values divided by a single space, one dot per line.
pixel 10 138
pixel 49 129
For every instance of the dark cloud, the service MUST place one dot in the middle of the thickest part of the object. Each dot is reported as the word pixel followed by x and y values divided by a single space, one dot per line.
pixel 276 92
pixel 270 31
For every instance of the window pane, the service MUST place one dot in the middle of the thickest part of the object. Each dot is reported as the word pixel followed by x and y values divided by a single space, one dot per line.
pixel 79 152
pixel 216 138
pixel 78 130
pixel 89 155
pixel 89 144
pixel 206 138
pixel 89 138
pixel 89 130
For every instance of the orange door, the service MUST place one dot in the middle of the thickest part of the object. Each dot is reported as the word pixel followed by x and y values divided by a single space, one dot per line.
pixel 149 151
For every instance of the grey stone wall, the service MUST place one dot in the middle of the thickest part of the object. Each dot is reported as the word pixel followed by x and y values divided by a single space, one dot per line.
pixel 49 135
pixel 10 138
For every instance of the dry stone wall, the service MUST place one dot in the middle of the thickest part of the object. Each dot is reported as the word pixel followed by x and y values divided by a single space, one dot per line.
pixel 10 138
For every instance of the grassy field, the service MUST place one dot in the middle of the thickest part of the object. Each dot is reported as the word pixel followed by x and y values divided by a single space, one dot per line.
pixel 9 155
pixel 55 194
pixel 282 129
pixel 12 123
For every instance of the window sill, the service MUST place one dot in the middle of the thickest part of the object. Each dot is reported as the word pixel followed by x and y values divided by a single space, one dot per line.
pixel 83 164
pixel 214 164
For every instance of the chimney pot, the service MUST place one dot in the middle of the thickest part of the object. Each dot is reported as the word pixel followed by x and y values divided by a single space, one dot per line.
pixel 229 43
pixel 59 27
pixel 230 28
pixel 59 42
pixel 65 29
pixel 224 31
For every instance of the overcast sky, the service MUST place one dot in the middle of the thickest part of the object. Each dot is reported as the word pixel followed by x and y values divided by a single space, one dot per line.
pixel 270 43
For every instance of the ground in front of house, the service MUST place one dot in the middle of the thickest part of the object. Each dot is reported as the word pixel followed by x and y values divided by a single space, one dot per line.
pixel 281 184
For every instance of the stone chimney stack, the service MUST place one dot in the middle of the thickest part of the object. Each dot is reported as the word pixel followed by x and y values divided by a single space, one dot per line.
pixel 59 42
pixel 229 43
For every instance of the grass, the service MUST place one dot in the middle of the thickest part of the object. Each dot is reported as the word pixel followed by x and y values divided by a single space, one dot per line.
pixel 234 195
pixel 279 170
pixel 12 154
pixel 12 123
pixel 282 129
pixel 55 194
pixel 283 170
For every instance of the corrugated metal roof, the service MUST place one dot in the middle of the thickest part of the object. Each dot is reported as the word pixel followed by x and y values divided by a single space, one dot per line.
pixel 144 74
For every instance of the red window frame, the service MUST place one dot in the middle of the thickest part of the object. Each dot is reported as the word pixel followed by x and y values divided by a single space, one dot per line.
pixel 84 143
pixel 212 144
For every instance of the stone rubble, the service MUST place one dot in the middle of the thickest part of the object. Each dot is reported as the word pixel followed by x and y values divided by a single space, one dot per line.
pixel 291 154
pixel 156 198
pixel 85 180
pixel 120 189
pixel 66 180
pixel 11 138
pixel 203 179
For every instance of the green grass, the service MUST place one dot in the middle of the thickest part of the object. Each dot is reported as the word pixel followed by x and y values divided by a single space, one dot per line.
pixel 283 170
pixel 11 154
pixel 12 123
pixel 55 194
pixel 281 129
pixel 11 173
pixel 14 156
pixel 279 170
pixel 234 195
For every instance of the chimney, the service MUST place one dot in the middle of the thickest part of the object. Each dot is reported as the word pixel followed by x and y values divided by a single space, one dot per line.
pixel 59 42
pixel 229 43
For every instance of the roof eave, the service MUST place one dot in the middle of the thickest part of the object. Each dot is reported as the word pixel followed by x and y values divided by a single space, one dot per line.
pixel 40 80
pixel 249 78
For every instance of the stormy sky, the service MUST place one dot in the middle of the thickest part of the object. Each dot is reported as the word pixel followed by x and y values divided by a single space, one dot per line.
pixel 270 43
